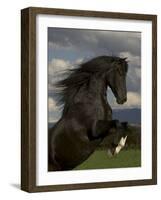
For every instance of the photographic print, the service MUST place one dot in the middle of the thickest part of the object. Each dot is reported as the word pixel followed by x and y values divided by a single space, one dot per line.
pixel 94 99
pixel 88 99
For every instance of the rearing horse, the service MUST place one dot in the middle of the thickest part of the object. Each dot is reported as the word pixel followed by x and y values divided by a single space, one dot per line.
pixel 86 117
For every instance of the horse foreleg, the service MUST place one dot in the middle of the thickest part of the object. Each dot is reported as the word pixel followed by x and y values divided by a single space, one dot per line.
pixel 120 145
pixel 101 129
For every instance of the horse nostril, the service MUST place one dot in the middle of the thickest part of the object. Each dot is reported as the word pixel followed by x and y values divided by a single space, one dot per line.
pixel 124 99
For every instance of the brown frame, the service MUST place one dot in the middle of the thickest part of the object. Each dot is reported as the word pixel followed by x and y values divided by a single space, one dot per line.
pixel 28 98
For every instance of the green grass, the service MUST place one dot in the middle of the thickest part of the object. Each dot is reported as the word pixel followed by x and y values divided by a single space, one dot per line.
pixel 100 160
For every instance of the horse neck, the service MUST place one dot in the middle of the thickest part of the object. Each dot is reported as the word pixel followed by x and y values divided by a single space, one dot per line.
pixel 97 86
pixel 94 89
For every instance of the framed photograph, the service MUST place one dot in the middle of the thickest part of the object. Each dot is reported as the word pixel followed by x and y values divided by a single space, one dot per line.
pixel 89 99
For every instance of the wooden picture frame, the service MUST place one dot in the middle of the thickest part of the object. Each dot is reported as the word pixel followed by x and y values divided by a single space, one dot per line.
pixel 28 98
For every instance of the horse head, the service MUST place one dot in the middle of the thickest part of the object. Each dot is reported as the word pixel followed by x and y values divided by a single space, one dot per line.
pixel 116 79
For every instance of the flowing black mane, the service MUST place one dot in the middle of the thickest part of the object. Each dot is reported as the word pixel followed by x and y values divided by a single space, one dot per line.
pixel 82 75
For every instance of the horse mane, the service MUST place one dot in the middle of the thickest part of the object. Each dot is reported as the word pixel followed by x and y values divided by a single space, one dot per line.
pixel 67 88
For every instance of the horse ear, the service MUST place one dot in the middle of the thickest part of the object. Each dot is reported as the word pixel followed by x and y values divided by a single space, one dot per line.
pixel 123 59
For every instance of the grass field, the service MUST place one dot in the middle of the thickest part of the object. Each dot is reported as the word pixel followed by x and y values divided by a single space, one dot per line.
pixel 100 160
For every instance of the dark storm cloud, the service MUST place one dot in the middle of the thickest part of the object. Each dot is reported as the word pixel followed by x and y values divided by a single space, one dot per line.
pixel 98 42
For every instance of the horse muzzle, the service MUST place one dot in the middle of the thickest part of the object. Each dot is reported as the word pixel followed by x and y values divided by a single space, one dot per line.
pixel 121 101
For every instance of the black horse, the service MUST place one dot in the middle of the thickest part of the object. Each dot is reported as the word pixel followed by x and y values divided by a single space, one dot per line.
pixel 87 116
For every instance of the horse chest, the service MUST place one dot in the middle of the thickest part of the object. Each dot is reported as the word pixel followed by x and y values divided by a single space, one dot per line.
pixel 103 110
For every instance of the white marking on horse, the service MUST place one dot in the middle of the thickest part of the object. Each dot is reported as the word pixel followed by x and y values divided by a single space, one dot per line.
pixel 120 145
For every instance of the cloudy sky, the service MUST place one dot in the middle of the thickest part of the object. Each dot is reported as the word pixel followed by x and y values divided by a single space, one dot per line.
pixel 67 48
